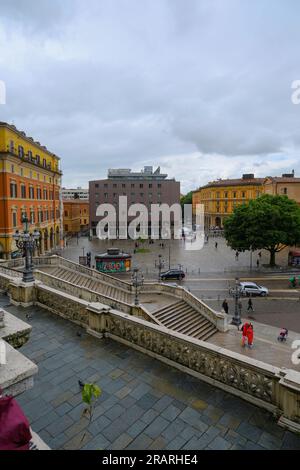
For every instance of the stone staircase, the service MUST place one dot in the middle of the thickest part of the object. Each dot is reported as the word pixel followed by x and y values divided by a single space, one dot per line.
pixel 78 279
pixel 181 317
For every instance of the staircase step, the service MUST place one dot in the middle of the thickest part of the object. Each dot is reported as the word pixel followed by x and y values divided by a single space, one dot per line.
pixel 172 313
pixel 209 327
pixel 199 322
pixel 198 329
pixel 190 323
pixel 176 317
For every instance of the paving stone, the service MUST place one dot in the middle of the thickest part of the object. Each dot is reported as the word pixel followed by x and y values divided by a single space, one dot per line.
pixel 269 441
pixel 163 403
pixel 97 443
pixel 114 412
pixel 176 444
pixel 121 442
pixel 136 428
pixel 230 421
pixel 60 425
pixel 291 441
pixel 192 417
pixel 173 430
pixel 61 398
pixel 171 413
pixel 123 392
pixel 142 442
pixel 158 444
pixel 249 431
pixel 156 427
pixel 78 441
pixel 219 443
pixel 147 401
pixel 44 421
pixel 63 408
pixel 98 425
pixel 140 390
pixel 149 416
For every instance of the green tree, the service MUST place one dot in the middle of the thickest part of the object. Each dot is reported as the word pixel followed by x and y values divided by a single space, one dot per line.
pixel 268 222
pixel 187 199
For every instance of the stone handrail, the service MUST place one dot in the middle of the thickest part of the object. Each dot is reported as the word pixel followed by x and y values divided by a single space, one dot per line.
pixel 59 261
pixel 219 319
pixel 10 272
pixel 89 295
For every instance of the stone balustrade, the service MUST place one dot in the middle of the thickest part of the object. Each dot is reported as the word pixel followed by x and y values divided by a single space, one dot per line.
pixel 269 387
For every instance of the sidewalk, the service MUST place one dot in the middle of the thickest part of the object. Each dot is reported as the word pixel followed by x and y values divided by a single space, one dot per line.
pixel 266 348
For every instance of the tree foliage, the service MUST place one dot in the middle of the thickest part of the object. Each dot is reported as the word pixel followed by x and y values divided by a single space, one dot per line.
pixel 187 199
pixel 268 222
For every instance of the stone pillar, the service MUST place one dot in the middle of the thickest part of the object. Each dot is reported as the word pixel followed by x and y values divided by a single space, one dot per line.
pixel 42 244
pixel 287 396
pixel 22 293
pixel 97 321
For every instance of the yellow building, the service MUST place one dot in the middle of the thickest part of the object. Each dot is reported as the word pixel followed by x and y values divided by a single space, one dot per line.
pixel 30 182
pixel 286 184
pixel 220 197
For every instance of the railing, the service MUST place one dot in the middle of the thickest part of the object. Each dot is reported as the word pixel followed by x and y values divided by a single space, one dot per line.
pixel 59 261
pixel 10 272
pixel 89 295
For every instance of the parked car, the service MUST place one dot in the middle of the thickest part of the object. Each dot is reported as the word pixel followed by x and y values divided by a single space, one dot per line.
pixel 172 274
pixel 251 288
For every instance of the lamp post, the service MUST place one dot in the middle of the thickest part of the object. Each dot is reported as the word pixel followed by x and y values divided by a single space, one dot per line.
pixel 236 293
pixel 159 265
pixel 137 281
pixel 26 242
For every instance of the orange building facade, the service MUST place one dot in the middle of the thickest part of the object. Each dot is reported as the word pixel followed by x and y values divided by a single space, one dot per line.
pixel 30 184
pixel 76 216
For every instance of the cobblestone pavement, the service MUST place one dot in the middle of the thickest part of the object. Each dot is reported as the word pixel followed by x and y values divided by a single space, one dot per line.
pixel 207 260
pixel 144 404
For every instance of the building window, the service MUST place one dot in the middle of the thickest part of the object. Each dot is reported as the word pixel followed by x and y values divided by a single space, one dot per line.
pixel 45 194
pixel 38 193
pixel 14 219
pixel 105 195
pixel 218 195
pixel 11 146
pixel 159 185
pixel 150 185
pixel 96 185
pixel 44 162
pixel 142 194
pixel 21 151
pixel 284 191
pixel 21 171
pixel 13 189
pixel 132 185
pixel 115 185
pixel 12 168
pixel 141 185
pixel 123 185
pixel 38 159
pixel 32 218
pixel 243 194
pixel 226 194
pixel 66 228
pixel 30 154
pixel 105 185
pixel 234 194
pixel 31 192
pixel 23 191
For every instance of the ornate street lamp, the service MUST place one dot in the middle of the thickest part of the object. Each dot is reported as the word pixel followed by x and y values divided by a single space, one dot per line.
pixel 26 242
pixel 159 265
pixel 236 293
pixel 137 281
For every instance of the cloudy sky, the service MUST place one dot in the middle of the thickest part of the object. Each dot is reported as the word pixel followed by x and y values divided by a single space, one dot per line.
pixel 200 87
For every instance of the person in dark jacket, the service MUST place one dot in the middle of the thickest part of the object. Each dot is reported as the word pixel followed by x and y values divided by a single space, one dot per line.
pixel 225 306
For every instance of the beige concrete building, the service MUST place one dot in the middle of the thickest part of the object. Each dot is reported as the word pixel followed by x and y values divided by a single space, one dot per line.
pixel 286 184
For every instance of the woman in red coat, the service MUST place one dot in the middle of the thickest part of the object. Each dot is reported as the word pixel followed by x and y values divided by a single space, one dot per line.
pixel 250 335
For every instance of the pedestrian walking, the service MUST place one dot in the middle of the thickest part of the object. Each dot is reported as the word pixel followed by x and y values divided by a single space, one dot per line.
pixel 216 245
pixel 250 335
pixel 225 306
pixel 244 333
pixel 259 254
pixel 250 305
pixel 257 263
pixel 236 255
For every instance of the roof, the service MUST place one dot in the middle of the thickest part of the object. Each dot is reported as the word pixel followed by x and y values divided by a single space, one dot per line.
pixel 282 179
pixel 234 182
